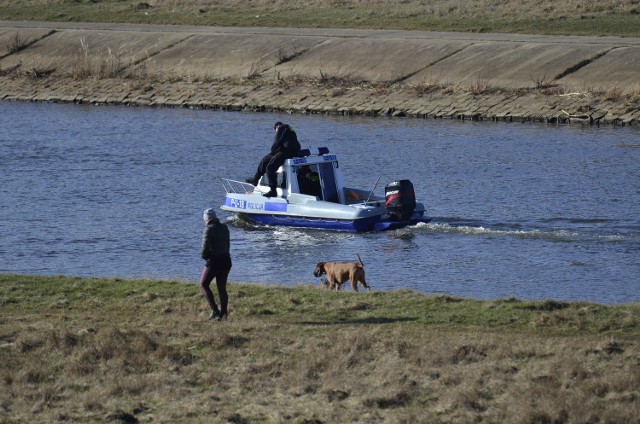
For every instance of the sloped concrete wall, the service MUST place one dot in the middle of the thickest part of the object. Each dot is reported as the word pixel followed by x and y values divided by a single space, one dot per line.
pixel 404 60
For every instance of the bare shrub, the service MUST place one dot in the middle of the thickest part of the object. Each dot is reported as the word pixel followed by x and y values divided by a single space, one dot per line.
pixel 426 86
pixel 612 93
pixel 285 55
pixel 280 56
pixel 479 86
pixel 17 43
pixel 633 94
pixel 339 79
pixel 109 65
pixel 546 85
pixel 255 70
pixel 542 82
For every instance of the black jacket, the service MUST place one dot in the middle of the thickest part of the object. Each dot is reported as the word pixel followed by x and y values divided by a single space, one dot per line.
pixel 215 240
pixel 285 141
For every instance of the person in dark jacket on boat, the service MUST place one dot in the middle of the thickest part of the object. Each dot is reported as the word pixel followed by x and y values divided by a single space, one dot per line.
pixel 285 145
pixel 215 250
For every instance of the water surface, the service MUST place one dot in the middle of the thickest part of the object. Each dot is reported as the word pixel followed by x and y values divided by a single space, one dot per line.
pixel 530 211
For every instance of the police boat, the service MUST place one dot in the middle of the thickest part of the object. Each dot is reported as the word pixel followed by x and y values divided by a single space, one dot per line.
pixel 311 194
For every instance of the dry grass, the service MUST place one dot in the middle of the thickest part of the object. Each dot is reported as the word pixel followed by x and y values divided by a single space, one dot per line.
pixel 102 65
pixel 87 350
pixel 478 87
pixel 633 94
pixel 616 93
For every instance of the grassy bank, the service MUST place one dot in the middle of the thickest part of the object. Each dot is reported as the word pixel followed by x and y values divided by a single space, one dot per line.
pixel 85 350
pixel 572 17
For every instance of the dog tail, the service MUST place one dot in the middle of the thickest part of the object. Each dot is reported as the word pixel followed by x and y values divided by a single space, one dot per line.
pixel 360 259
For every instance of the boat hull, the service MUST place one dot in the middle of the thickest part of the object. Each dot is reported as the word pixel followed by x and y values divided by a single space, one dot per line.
pixel 358 225
pixel 319 215
pixel 361 225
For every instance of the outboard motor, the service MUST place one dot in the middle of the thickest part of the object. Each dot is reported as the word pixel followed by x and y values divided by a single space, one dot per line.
pixel 400 199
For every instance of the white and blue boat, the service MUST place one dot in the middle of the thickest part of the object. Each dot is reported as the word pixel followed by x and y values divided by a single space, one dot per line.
pixel 311 194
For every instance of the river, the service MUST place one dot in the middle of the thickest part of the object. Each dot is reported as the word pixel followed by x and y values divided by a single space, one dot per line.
pixel 531 211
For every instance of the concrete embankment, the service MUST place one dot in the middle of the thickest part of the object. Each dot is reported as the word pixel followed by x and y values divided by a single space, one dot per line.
pixel 398 73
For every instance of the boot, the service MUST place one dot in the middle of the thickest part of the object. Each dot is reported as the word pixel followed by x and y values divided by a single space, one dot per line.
pixel 271 193
pixel 254 181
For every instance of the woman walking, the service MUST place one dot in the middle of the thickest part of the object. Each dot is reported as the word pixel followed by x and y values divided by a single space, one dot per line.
pixel 215 250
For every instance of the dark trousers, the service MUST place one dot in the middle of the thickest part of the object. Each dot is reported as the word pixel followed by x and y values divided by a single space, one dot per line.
pixel 220 271
pixel 269 165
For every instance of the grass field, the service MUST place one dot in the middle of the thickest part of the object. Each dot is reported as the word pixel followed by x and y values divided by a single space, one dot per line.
pixel 571 17
pixel 111 350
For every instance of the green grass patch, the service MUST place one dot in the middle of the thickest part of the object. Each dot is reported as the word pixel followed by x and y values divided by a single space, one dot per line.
pixel 313 305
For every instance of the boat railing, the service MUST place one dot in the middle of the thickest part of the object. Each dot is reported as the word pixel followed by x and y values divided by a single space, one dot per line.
pixel 233 186
pixel 355 197
pixel 374 203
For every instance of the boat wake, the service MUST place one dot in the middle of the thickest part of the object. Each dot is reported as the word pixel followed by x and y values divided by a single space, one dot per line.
pixel 479 228
pixel 557 235
pixel 458 226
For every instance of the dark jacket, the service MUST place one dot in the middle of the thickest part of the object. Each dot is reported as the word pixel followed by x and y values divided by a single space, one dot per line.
pixel 215 241
pixel 285 141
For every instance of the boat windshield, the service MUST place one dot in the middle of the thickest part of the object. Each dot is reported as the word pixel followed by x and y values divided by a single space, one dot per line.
pixel 318 180
pixel 328 181
pixel 309 180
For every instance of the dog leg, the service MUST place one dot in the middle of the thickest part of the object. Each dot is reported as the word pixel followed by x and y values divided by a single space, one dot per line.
pixel 362 280
pixel 332 283
pixel 364 283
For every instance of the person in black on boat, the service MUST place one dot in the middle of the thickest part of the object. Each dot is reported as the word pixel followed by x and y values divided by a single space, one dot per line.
pixel 285 145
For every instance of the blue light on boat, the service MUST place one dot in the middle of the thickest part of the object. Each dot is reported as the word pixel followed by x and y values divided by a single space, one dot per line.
pixel 303 153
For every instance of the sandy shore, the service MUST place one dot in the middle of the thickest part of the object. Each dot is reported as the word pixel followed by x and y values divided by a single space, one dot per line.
pixel 593 80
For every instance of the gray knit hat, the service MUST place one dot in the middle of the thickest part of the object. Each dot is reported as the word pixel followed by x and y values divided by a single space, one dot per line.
pixel 208 215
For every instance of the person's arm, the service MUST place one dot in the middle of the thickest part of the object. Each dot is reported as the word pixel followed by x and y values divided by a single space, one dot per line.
pixel 278 140
pixel 206 253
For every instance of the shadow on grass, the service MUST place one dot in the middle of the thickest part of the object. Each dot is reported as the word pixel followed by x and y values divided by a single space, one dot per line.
pixel 369 320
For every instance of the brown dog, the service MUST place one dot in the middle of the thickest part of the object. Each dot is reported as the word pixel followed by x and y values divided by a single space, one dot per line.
pixel 339 272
